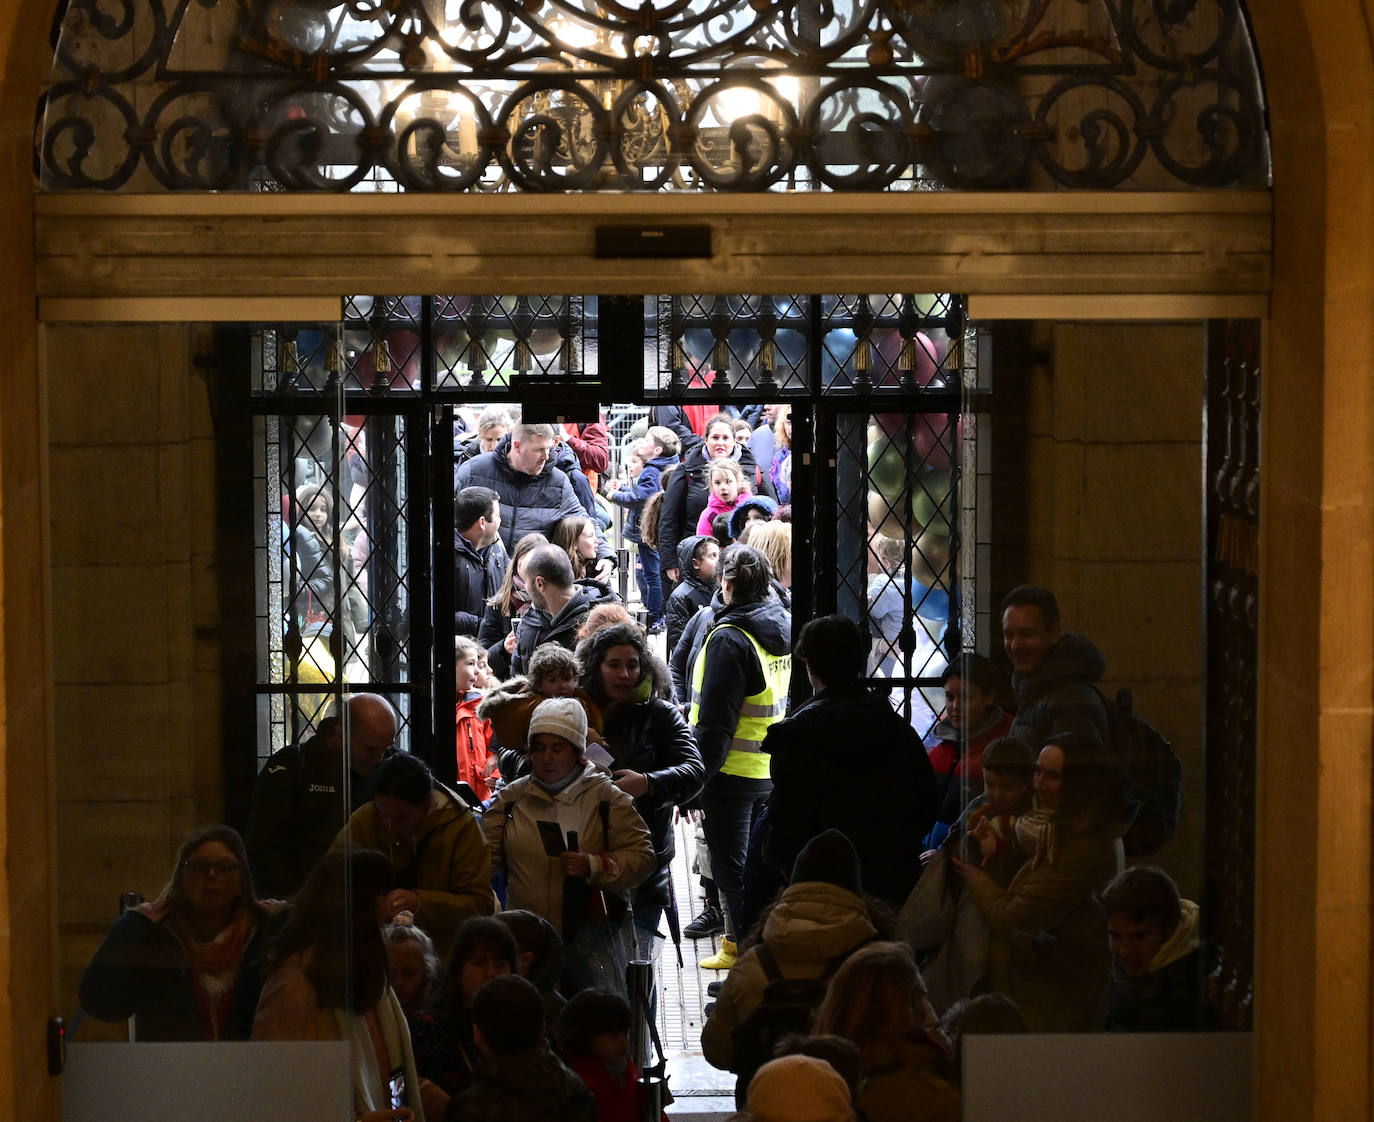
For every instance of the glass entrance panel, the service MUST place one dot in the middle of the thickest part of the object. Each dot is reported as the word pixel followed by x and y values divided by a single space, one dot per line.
pixel 351 448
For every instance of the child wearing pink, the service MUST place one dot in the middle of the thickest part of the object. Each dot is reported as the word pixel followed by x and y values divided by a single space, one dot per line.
pixel 728 489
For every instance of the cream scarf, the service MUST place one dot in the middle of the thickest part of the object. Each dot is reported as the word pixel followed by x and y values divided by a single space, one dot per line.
pixel 371 1090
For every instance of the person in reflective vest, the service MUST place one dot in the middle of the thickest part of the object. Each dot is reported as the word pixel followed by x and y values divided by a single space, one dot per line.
pixel 739 683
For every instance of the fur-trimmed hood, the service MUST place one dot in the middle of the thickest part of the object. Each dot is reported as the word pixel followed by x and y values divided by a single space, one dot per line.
pixel 504 693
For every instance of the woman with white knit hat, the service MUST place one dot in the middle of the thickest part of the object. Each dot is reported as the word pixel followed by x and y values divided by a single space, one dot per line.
pixel 571 844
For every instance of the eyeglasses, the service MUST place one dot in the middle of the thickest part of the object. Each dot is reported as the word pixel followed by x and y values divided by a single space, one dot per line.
pixel 222 869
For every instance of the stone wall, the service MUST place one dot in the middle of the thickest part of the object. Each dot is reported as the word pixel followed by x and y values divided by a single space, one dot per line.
pixel 135 645
pixel 1114 524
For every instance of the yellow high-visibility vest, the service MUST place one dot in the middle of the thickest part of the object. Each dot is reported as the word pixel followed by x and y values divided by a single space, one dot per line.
pixel 746 757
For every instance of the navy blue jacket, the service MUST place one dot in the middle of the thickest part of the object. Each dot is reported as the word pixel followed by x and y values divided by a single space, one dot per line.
pixel 633 498
pixel 529 503
pixel 140 970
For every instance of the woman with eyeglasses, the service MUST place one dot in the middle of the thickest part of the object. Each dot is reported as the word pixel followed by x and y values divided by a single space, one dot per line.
pixel 188 965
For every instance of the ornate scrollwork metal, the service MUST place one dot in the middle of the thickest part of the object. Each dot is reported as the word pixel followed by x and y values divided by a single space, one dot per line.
pixel 563 95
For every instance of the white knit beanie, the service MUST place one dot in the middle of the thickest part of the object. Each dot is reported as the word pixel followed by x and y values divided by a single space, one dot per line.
pixel 561 716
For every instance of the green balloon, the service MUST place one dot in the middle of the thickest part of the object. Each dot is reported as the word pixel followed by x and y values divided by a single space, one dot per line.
pixel 928 499
pixel 886 468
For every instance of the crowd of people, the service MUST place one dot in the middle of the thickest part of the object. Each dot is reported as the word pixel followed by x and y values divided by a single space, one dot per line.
pixel 470 940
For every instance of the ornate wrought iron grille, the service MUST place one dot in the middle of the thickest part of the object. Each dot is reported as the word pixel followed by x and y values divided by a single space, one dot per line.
pixel 1233 489
pixel 361 412
pixel 780 345
pixel 569 95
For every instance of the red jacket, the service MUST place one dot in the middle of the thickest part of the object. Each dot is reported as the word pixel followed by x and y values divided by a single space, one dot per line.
pixel 944 757
pixel 591 444
pixel 471 751
pixel 617 1096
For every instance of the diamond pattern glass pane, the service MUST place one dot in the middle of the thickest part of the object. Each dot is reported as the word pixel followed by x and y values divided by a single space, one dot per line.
pixel 748 345
pixel 333 546
pixel 484 345
pixel 338 403
pixel 898 480
pixel 872 342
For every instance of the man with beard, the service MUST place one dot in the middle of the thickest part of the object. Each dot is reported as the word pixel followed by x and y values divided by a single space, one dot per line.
pixel 558 603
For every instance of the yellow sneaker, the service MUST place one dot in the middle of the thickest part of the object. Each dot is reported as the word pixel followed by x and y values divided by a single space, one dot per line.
pixel 722 959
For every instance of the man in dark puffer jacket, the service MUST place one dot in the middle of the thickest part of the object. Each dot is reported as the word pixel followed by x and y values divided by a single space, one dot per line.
pixel 558 604
pixel 1054 675
pixel 534 493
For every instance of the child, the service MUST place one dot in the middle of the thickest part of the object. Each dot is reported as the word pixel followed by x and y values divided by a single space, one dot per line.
pixel 414 966
pixel 697 559
pixel 484 678
pixel 655 455
pixel 988 1013
pixel 972 720
pixel 720 530
pixel 594 1031
pixel 757 508
pixel 888 574
pixel 518 1076
pixel 1153 935
pixel 1008 771
pixel 541 956
pixel 948 929
pixel 600 617
pixel 798 1086
pixel 476 761
pixel 445 1051
pixel 553 672
pixel 728 487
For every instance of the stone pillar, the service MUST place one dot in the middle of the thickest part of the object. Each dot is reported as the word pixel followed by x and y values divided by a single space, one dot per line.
pixel 137 725
pixel 1115 525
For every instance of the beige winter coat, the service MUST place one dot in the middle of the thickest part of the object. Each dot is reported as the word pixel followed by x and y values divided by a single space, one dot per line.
pixel 811 923
pixel 534 880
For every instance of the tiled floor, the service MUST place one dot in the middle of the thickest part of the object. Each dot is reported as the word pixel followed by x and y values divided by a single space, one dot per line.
pixel 701 1091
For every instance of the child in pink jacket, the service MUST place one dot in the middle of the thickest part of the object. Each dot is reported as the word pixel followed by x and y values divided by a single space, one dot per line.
pixel 728 488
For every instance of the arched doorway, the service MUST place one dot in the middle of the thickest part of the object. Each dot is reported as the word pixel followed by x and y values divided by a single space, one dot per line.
pixel 1314 949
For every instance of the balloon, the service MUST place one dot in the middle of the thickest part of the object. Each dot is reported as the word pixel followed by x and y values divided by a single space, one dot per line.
pixel 887 468
pixel 931 557
pixel 934 437
pixel 891 425
pixel 928 356
pixel 884 518
pixel 929 495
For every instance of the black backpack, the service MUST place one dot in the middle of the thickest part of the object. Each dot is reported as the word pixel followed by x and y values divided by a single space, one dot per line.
pixel 788 1006
pixel 1154 777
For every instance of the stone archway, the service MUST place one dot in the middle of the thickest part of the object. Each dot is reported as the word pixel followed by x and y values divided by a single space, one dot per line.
pixel 1314 833
pixel 1313 944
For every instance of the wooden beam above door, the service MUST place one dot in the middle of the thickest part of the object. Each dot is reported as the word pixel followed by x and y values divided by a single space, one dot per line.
pixel 112 247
